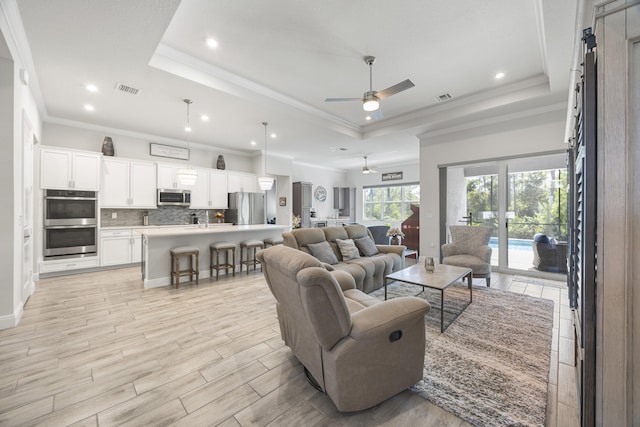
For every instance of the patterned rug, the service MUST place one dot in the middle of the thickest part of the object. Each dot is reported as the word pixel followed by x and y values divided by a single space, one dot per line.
pixel 491 365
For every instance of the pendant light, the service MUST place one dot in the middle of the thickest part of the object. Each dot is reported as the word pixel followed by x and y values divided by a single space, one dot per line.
pixel 265 182
pixel 188 175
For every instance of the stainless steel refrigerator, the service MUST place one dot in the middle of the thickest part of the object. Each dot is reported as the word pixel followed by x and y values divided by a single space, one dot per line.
pixel 245 208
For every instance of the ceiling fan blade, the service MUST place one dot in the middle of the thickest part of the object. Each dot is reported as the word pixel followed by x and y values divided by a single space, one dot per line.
pixel 407 84
pixel 342 99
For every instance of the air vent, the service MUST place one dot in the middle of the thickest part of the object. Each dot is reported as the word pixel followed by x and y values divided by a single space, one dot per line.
pixel 443 97
pixel 127 89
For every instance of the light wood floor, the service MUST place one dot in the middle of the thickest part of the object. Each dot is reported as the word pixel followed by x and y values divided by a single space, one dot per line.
pixel 98 349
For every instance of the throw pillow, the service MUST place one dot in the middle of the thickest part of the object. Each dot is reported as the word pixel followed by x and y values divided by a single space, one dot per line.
pixel 348 249
pixel 367 246
pixel 323 252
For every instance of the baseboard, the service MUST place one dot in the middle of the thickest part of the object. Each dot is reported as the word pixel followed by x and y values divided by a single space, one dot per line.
pixel 11 320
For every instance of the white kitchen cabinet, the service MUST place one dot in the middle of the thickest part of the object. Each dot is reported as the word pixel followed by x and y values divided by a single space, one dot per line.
pixel 200 190
pixel 52 266
pixel 120 246
pixel 210 190
pixel 168 177
pixel 218 190
pixel 128 184
pixel 241 182
pixel 143 185
pixel 136 247
pixel 69 169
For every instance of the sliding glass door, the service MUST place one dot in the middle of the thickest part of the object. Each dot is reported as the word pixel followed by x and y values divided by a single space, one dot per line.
pixel 525 202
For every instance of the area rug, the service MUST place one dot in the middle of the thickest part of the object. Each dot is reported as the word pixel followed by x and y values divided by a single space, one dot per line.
pixel 491 365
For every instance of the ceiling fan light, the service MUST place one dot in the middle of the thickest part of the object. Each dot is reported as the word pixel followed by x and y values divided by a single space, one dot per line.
pixel 370 105
pixel 370 101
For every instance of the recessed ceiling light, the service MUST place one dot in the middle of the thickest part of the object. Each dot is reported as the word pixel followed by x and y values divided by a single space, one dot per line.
pixel 89 107
pixel 212 43
pixel 205 118
pixel 253 143
pixel 92 88
pixel 273 135
pixel 187 128
pixel 499 75
pixel 368 118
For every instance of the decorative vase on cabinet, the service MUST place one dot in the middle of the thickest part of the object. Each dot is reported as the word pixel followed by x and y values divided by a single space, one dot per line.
pixel 107 146
pixel 220 163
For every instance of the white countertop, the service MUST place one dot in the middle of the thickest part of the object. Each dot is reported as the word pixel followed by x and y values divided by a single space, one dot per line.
pixel 149 227
pixel 184 230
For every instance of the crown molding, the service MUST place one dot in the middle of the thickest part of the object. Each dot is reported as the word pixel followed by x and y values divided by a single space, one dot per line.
pixel 181 64
pixel 143 136
pixel 544 114
pixel 428 118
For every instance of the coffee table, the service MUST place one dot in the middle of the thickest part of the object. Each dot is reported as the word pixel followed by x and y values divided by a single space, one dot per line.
pixel 443 277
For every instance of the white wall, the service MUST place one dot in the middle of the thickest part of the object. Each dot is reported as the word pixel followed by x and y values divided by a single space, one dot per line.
pixel 328 178
pixel 16 103
pixel 138 147
pixel 543 137
pixel 410 174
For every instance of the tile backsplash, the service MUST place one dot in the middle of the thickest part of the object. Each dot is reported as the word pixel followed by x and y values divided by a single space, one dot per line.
pixel 164 215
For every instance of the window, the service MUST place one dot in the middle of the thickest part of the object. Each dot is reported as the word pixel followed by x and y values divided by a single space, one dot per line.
pixel 389 203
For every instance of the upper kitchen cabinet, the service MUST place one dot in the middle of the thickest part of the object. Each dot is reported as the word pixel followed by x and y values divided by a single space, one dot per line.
pixel 63 169
pixel 210 190
pixel 241 182
pixel 168 177
pixel 128 184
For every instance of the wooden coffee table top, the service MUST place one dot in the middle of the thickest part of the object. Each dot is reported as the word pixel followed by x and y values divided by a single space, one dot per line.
pixel 442 278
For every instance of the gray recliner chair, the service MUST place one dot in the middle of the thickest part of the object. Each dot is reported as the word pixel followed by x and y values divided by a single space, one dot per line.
pixel 357 349
pixel 469 248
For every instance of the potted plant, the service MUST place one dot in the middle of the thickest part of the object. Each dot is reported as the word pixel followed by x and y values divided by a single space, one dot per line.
pixel 395 234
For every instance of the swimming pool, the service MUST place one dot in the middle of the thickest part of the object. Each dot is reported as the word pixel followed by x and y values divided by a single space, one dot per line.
pixel 514 244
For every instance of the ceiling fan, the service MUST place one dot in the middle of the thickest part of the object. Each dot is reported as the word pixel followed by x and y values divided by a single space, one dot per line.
pixel 366 168
pixel 371 99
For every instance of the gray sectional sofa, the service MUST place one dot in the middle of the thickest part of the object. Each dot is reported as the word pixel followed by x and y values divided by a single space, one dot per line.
pixel 370 266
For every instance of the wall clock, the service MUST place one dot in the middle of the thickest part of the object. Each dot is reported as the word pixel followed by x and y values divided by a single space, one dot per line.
pixel 320 194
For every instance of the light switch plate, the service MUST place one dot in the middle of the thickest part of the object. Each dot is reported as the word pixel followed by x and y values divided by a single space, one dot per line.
pixel 114 215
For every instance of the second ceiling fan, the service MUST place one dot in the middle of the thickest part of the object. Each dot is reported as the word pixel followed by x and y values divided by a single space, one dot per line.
pixel 371 98
pixel 366 168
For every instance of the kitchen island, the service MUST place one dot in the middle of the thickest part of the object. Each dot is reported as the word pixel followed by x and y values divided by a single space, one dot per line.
pixel 157 242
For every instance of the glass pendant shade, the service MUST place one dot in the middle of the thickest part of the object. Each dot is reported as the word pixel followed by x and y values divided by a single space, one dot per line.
pixel 265 183
pixel 187 176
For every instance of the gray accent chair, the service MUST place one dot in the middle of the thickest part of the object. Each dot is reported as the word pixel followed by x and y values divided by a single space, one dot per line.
pixel 357 349
pixel 379 233
pixel 469 248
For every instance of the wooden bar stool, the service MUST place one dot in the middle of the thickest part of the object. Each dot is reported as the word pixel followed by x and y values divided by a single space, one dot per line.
pixel 247 245
pixel 272 241
pixel 222 247
pixel 176 253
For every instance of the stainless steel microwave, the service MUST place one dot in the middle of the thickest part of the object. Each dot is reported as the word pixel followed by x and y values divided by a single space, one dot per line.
pixel 167 197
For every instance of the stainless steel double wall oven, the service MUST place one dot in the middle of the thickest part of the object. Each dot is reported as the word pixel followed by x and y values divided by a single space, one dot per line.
pixel 70 223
